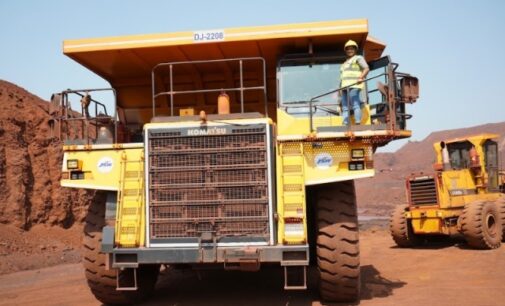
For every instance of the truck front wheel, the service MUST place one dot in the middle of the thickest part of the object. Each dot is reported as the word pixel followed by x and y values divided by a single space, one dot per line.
pixel 337 245
pixel 103 282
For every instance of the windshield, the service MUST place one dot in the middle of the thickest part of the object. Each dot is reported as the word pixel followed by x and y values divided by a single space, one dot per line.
pixel 299 81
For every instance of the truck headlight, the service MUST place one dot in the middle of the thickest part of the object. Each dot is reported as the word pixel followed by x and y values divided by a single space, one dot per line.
pixel 356 166
pixel 357 153
pixel 73 164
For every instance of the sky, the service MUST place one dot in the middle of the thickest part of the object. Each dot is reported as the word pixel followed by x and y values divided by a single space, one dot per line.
pixel 454 47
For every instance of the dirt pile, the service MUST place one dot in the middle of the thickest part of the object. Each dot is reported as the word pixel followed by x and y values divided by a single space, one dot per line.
pixel 30 165
pixel 380 194
pixel 41 246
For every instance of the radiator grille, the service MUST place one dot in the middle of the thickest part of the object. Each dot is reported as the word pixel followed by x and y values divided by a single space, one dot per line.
pixel 423 191
pixel 214 184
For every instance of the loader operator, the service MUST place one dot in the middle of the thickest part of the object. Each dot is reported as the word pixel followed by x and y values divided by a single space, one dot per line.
pixel 352 73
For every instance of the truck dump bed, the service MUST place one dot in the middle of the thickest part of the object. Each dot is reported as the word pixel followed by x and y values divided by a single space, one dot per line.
pixel 126 62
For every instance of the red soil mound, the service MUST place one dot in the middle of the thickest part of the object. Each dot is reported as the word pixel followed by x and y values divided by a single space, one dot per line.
pixel 30 165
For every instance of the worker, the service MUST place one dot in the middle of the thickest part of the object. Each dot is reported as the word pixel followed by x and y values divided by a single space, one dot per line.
pixel 474 157
pixel 352 74
pixel 445 156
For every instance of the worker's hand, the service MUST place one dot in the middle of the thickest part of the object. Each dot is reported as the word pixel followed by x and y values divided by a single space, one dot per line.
pixel 360 80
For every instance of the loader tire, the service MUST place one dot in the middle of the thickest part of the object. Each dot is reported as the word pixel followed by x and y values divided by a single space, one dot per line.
pixel 337 244
pixel 102 282
pixel 501 205
pixel 481 225
pixel 401 229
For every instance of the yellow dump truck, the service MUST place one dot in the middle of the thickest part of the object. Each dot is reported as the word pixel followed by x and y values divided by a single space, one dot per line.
pixel 226 148
pixel 464 196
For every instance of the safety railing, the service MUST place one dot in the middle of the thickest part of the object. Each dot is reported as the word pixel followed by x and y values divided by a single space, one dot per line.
pixel 400 88
pixel 88 124
pixel 241 89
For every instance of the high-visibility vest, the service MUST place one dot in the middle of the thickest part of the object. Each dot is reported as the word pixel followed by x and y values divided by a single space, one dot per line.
pixel 350 71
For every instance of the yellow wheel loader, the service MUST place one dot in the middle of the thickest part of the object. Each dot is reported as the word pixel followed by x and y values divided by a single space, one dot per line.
pixel 226 148
pixel 465 195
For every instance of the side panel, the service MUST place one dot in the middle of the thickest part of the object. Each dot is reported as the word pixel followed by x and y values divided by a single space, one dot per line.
pixel 458 188
pixel 331 161
pixel 301 164
pixel 100 165
pixel 290 125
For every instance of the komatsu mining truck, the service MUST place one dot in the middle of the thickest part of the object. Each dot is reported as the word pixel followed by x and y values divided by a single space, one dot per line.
pixel 226 148
pixel 465 195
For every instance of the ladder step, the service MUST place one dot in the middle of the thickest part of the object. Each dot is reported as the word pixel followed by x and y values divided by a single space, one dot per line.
pixel 130 204
pixel 292 174
pixel 292 169
pixel 130 208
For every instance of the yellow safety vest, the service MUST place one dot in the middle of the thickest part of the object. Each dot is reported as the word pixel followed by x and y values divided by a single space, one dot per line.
pixel 350 71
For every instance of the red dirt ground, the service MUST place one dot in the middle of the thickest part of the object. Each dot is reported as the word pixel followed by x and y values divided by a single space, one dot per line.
pixel 443 274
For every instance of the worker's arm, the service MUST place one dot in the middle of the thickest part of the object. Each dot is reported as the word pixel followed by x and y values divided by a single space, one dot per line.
pixel 364 66
pixel 364 74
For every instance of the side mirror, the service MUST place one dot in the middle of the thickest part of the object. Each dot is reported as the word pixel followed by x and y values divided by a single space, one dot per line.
pixel 409 89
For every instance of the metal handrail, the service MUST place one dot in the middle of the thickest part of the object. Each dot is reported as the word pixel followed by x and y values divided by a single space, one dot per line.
pixel 241 89
pixel 66 117
pixel 313 99
pixel 78 92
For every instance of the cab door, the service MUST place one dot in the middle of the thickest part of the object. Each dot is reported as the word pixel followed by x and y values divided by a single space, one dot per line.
pixel 491 164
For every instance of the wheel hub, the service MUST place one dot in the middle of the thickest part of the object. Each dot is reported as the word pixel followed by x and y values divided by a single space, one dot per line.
pixel 491 224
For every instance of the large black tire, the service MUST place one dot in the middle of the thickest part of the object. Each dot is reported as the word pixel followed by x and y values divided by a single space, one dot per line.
pixel 338 242
pixel 102 282
pixel 501 205
pixel 481 225
pixel 401 229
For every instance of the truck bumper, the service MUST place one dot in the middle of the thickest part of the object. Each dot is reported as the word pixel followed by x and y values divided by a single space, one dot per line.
pixel 285 255
pixel 433 220
pixel 207 253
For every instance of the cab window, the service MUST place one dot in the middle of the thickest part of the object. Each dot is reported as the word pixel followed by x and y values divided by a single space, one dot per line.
pixel 459 154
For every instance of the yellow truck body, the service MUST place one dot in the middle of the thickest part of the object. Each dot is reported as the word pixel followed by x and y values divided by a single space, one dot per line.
pixel 190 184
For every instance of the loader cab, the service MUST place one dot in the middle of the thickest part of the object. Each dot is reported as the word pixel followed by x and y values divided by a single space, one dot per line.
pixel 459 154
pixel 490 149
pixel 477 154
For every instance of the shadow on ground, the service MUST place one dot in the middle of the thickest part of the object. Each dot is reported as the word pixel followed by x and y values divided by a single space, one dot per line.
pixel 373 285
pixel 218 287
pixel 438 242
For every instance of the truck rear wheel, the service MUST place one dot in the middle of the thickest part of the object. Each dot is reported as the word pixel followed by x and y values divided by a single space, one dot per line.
pixel 102 282
pixel 401 229
pixel 481 225
pixel 337 245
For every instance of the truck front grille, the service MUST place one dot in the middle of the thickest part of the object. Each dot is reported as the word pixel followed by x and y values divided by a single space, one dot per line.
pixel 423 191
pixel 214 184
